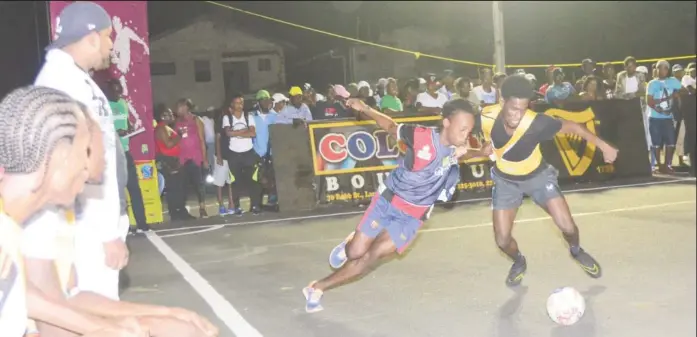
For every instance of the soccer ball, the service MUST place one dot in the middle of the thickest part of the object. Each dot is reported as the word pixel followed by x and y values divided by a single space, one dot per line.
pixel 566 306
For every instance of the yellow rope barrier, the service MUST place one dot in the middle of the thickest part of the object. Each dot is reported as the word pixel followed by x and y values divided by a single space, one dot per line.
pixel 686 57
pixel 419 54
pixel 415 53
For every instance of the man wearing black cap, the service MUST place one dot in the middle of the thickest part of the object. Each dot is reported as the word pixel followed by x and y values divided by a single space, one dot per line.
pixel 431 101
pixel 515 133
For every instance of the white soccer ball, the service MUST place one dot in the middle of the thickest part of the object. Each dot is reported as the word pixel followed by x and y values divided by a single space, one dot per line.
pixel 566 306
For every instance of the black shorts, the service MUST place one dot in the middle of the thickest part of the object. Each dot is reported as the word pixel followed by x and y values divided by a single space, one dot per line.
pixel 508 194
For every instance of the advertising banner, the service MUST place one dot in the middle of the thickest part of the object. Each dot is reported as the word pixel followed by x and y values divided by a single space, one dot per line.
pixel 147 176
pixel 352 158
pixel 131 67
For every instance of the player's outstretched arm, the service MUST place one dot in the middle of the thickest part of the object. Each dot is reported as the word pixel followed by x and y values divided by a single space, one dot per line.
pixel 383 121
pixel 465 153
pixel 609 152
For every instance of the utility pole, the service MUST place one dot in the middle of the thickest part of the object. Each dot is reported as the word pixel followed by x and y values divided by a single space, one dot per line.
pixel 499 44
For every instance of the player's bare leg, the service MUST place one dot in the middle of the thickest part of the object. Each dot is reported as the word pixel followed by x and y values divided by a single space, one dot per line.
pixel 558 209
pixel 359 264
pixel 503 227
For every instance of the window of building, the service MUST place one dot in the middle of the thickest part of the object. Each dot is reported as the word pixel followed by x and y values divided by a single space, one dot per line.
pixel 264 64
pixel 202 71
pixel 163 69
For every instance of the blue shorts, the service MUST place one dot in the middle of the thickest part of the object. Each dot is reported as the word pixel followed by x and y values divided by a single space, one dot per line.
pixel 385 215
pixel 662 132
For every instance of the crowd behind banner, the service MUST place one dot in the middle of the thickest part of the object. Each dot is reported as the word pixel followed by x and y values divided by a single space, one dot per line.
pixel 351 158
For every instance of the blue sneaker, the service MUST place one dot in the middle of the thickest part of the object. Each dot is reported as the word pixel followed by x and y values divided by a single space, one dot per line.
pixel 312 298
pixel 337 257
pixel 235 211
pixel 222 211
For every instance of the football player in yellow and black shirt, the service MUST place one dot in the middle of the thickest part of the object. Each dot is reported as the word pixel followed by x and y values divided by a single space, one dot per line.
pixel 515 133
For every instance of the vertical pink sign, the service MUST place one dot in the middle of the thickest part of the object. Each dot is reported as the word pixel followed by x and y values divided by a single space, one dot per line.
pixel 130 65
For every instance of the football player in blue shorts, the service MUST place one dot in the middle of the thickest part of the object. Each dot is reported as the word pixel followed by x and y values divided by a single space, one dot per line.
pixel 428 172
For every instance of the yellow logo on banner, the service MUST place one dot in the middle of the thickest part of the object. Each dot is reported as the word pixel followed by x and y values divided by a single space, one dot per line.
pixel 576 153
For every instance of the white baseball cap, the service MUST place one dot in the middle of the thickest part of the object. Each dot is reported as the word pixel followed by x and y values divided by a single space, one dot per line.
pixel 279 97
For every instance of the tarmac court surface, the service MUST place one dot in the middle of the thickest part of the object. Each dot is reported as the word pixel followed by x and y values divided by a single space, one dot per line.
pixel 248 278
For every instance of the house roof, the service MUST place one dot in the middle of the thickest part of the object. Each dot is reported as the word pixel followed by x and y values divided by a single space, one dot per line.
pixel 218 19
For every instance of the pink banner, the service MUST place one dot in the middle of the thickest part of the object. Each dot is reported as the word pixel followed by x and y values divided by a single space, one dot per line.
pixel 130 65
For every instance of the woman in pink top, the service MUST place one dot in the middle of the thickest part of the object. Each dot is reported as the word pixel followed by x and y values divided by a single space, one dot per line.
pixel 193 150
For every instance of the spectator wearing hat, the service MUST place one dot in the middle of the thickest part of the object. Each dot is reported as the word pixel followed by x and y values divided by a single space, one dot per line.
pixel 560 90
pixel 486 92
pixel 296 111
pixel 662 99
pixel 448 84
pixel 263 117
pixel 630 83
pixel 390 103
pixel 366 94
pixel 678 72
pixel 431 101
pixel 380 90
pixel 334 107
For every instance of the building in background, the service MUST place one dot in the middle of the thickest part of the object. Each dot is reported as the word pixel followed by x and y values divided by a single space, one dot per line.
pixel 210 58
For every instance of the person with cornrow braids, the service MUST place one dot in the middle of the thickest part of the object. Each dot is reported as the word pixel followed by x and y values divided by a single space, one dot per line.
pixel 44 145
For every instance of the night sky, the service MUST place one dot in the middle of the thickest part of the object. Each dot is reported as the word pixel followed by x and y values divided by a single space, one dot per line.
pixel 536 32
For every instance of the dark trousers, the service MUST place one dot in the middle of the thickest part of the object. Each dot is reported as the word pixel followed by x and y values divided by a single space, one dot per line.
pixel 176 192
pixel 244 167
pixel 193 175
pixel 135 193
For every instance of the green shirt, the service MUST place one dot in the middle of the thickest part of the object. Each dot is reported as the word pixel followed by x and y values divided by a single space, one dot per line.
pixel 120 113
pixel 392 103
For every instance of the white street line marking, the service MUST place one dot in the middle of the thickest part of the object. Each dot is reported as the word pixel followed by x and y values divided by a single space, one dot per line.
pixel 320 216
pixel 221 307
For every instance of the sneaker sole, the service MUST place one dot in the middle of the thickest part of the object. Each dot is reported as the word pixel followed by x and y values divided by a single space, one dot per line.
pixel 333 253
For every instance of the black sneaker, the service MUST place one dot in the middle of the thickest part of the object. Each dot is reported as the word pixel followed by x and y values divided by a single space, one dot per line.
pixel 588 263
pixel 517 272
pixel 255 211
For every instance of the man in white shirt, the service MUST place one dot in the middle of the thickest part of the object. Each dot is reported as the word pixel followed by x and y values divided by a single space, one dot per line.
pixel 431 101
pixel 83 43
pixel 238 131
pixel 486 91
